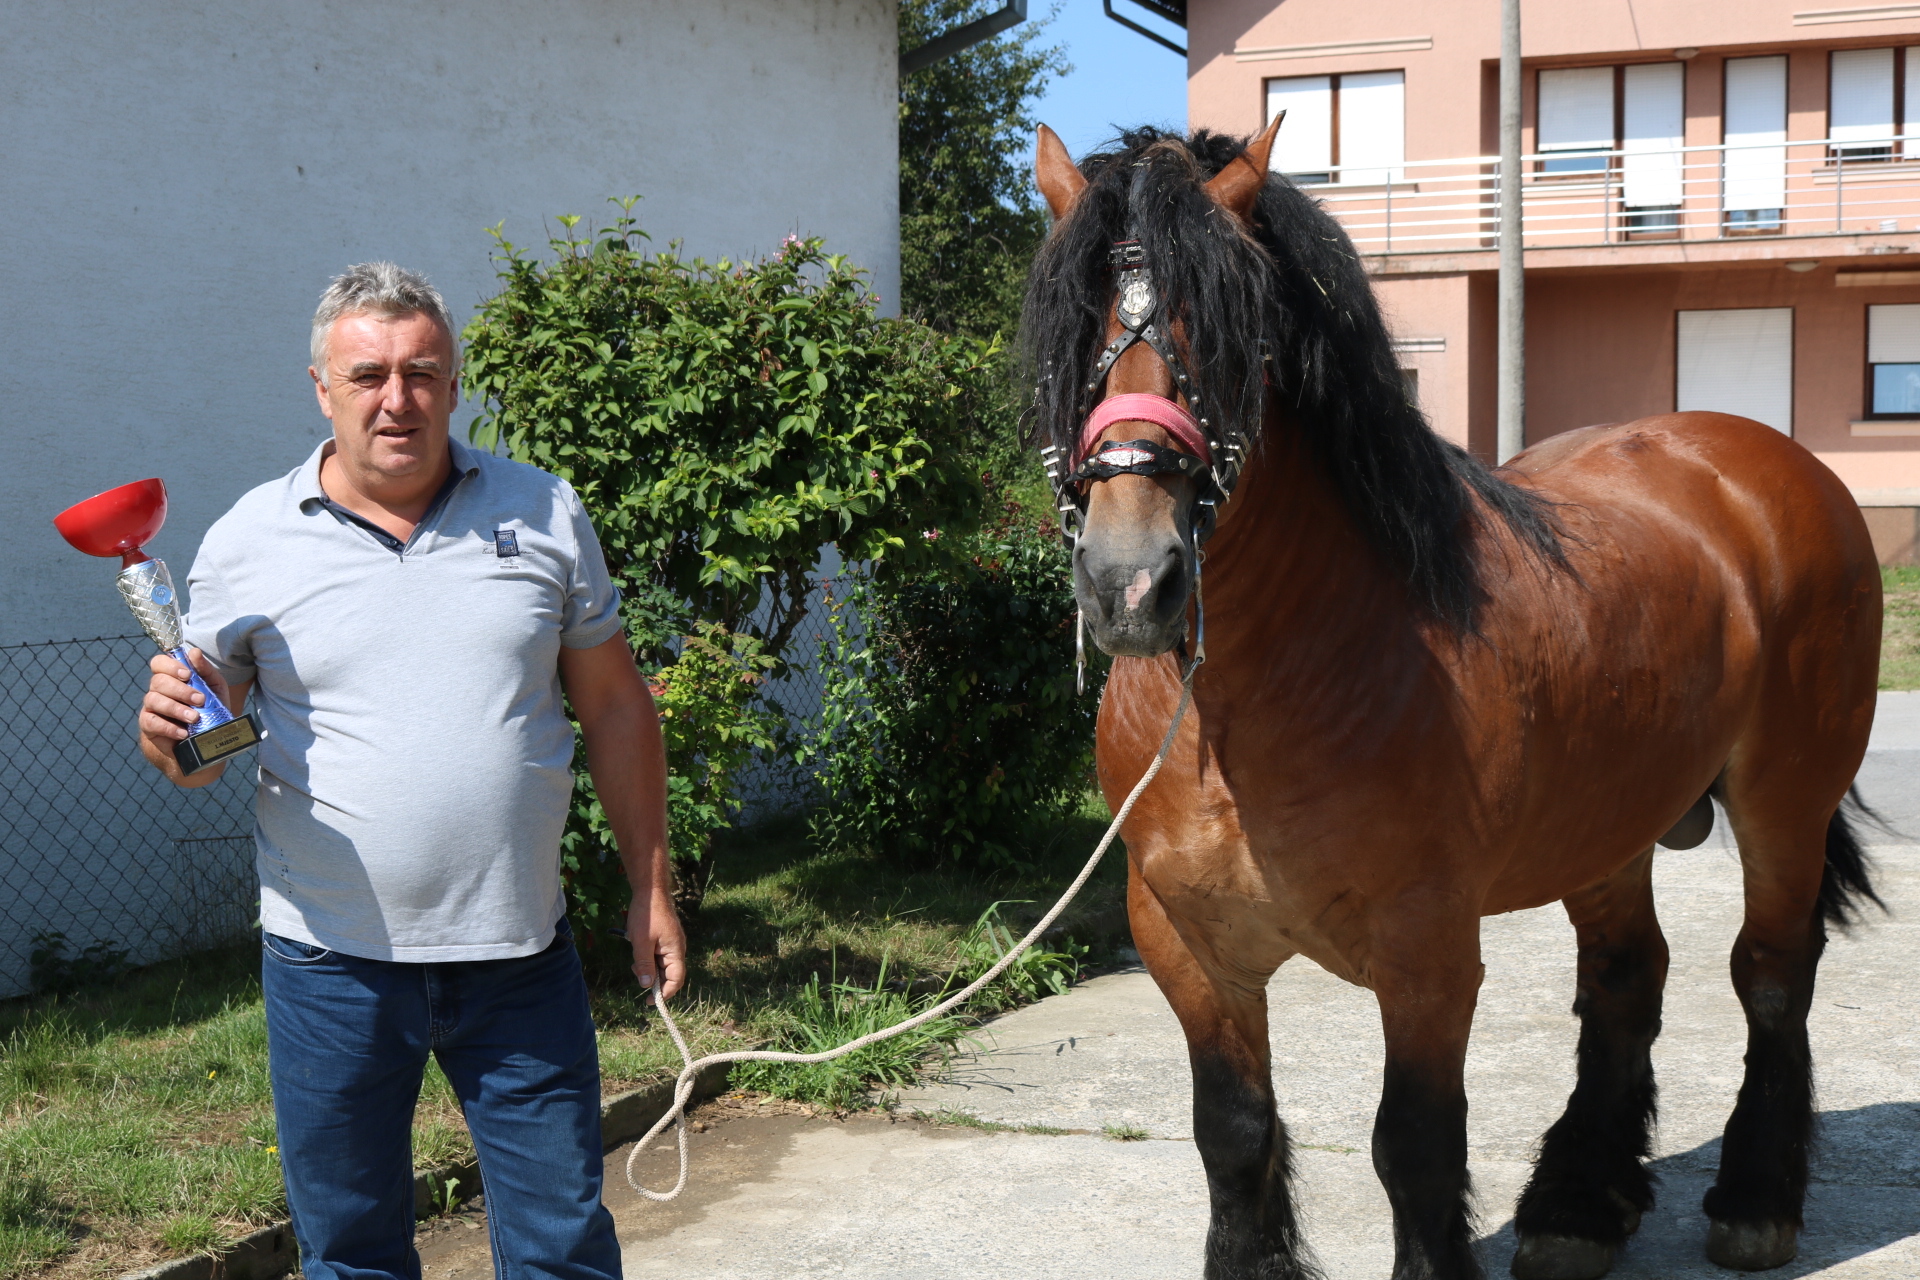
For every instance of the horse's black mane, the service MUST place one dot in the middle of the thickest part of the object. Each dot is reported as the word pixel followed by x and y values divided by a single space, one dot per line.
pixel 1295 289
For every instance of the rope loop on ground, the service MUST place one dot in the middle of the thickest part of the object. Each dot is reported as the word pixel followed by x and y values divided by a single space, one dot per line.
pixel 683 1085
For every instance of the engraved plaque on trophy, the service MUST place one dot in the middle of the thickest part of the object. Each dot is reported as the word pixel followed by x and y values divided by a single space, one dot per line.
pixel 118 523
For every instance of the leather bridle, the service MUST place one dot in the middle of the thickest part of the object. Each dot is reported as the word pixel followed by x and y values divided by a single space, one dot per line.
pixel 1213 458
pixel 1215 462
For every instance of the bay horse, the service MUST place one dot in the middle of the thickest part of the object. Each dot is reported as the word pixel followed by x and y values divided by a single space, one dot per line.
pixel 1434 691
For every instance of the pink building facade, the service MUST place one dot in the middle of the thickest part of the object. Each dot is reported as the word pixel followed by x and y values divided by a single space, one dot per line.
pixel 1721 206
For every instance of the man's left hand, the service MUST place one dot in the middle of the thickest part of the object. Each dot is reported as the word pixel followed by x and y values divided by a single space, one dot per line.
pixel 659 943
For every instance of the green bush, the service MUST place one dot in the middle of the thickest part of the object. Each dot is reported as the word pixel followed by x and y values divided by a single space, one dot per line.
pixel 721 422
pixel 950 727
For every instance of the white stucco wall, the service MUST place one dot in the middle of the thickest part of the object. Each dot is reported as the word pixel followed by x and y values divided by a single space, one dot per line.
pixel 178 181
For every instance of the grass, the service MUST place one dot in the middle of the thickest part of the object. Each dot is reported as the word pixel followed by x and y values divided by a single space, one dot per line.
pixel 136 1121
pixel 822 1018
pixel 1900 642
pixel 1125 1132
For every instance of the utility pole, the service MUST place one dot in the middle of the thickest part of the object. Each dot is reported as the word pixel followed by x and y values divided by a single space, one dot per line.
pixel 1511 426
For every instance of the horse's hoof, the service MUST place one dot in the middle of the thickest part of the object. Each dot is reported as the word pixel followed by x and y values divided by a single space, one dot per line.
pixel 1562 1258
pixel 1751 1246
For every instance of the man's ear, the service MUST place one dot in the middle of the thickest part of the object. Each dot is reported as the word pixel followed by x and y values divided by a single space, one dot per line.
pixel 1059 179
pixel 1237 186
pixel 320 392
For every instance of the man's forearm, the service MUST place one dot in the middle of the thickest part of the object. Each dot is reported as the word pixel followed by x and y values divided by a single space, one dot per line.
pixel 627 760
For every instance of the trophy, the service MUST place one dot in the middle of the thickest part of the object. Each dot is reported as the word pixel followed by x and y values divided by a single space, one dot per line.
pixel 118 523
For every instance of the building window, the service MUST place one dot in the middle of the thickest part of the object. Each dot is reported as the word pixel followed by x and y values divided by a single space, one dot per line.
pixel 1737 361
pixel 1348 128
pixel 1638 110
pixel 1867 97
pixel 1753 120
pixel 1576 120
pixel 1893 362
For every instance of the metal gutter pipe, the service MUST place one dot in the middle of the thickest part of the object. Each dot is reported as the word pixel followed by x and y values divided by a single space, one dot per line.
pixel 941 47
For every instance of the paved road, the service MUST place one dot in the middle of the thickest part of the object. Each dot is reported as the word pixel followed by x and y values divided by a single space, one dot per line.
pixel 792 1197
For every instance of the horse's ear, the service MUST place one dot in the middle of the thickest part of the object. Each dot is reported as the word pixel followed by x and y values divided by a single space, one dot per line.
pixel 1238 185
pixel 1060 180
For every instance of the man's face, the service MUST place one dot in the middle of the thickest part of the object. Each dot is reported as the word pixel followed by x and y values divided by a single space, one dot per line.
pixel 389 392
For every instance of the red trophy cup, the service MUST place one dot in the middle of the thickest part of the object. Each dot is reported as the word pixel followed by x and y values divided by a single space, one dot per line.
pixel 118 523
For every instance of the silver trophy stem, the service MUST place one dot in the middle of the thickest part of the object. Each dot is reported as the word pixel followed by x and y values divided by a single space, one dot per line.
pixel 148 590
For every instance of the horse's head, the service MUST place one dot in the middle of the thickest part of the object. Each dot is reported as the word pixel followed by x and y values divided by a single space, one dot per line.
pixel 1143 400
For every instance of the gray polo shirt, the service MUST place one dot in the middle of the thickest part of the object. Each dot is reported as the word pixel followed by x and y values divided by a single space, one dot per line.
pixel 418 763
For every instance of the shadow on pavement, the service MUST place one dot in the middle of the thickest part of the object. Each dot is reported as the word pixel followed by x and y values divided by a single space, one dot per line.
pixel 1865 1196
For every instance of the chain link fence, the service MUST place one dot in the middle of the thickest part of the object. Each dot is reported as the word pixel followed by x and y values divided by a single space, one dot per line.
pixel 97 850
pixel 775 784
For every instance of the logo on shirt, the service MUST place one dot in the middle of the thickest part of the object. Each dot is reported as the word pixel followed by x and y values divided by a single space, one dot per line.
pixel 505 544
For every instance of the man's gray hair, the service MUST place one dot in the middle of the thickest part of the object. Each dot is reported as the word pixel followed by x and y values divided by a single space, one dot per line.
pixel 384 289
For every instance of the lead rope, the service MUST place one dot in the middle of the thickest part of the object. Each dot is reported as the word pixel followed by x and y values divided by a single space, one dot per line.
pixel 683 1086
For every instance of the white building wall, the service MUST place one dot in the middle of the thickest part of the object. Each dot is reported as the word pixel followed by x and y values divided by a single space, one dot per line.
pixel 179 181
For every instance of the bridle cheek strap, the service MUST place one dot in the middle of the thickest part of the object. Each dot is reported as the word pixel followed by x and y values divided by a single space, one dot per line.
pixel 1158 410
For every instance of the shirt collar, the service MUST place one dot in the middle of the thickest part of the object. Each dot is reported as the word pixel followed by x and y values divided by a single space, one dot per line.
pixel 306 485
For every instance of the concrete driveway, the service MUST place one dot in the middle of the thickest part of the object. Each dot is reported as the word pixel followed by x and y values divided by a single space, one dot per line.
pixel 795 1197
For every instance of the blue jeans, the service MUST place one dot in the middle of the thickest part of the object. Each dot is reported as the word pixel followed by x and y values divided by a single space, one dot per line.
pixel 348 1040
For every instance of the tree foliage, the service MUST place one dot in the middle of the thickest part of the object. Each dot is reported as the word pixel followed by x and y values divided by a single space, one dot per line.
pixel 970 217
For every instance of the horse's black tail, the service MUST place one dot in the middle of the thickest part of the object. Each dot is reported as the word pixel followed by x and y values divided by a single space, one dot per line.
pixel 1847 883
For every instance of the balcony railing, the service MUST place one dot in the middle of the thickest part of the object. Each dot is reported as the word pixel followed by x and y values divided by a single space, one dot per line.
pixel 1584 199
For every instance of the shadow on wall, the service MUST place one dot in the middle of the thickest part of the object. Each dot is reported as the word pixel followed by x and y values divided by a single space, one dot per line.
pixel 1896 533
pixel 1865 1196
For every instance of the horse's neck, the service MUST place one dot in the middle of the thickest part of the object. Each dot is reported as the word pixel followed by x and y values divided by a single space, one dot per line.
pixel 1294 593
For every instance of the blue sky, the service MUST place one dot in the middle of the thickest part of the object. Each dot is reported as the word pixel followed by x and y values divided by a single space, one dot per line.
pixel 1119 76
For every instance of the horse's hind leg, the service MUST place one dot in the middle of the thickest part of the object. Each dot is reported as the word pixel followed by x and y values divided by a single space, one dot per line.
pixel 1590 1184
pixel 1253 1234
pixel 1756 1200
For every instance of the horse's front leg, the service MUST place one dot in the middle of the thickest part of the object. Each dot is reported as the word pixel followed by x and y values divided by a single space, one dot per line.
pixel 1243 1144
pixel 1425 970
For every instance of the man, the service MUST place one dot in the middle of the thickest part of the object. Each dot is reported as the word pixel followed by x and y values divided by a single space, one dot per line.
pixel 406 612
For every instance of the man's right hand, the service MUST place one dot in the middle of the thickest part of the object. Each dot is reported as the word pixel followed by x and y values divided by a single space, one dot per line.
pixel 172 706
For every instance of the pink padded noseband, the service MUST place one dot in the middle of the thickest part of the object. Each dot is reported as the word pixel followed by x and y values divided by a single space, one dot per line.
pixel 1161 412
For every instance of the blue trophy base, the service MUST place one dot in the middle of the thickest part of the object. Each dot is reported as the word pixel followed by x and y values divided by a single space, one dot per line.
pixel 197 751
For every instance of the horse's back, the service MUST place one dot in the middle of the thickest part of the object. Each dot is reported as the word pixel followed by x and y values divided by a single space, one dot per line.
pixel 1724 557
pixel 1692 463
pixel 1697 496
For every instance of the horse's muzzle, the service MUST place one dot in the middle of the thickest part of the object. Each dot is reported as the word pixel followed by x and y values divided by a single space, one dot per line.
pixel 1133 592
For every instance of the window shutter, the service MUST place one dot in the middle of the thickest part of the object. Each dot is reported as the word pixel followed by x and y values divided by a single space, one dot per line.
pixel 1576 109
pixel 1373 128
pixel 1756 120
pixel 1655 127
pixel 1305 141
pixel 1893 335
pixel 1912 112
pixel 1860 102
pixel 1738 361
